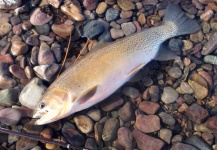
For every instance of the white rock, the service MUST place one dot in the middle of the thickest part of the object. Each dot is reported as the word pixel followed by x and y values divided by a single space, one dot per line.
pixel 32 93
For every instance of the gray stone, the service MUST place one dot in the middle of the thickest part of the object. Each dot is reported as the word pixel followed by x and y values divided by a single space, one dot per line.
pixel 167 118
pixel 169 95
pixel 197 142
pixel 111 14
pixel 10 116
pixel 32 93
pixel 8 97
pixel 110 129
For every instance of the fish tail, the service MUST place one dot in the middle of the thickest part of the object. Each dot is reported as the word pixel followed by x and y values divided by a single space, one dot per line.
pixel 181 23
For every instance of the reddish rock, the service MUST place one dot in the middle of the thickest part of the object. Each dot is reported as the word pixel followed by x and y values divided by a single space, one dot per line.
pixel 211 124
pixel 210 46
pixel 197 113
pixel 17 71
pixel 147 142
pixel 125 137
pixel 149 107
pixel 6 59
pixel 90 4
pixel 148 123
pixel 40 16
pixel 111 103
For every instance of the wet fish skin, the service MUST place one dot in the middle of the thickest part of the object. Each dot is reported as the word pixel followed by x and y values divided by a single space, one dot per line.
pixel 101 72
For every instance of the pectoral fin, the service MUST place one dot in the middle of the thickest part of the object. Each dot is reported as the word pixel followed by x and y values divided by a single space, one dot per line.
pixel 135 70
pixel 86 95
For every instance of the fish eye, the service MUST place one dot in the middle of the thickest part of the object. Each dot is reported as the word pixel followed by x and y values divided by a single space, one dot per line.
pixel 41 105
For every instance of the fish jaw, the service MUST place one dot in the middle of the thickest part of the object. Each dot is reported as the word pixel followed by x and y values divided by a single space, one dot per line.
pixel 51 115
pixel 48 117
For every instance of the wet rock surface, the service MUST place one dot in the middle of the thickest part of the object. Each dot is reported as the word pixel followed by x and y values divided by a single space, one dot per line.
pixel 168 105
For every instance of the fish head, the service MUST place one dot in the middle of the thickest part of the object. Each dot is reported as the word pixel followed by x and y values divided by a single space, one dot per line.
pixel 55 104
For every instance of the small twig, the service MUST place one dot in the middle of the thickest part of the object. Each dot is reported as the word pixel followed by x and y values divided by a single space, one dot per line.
pixel 64 60
pixel 32 137
pixel 88 41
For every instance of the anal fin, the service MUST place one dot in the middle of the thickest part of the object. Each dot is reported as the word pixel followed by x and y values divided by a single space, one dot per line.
pixel 135 70
pixel 165 53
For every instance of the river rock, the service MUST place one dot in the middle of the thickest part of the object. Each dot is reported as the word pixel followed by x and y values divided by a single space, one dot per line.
pixel 125 137
pixel 149 107
pixel 147 142
pixel 41 16
pixel 73 10
pixel 54 3
pixel 199 85
pixel 45 55
pixel 90 4
pixel 182 146
pixel 84 123
pixel 110 129
pixel 101 8
pixel 7 82
pixel 169 95
pixel 8 97
pixel 62 30
pixel 148 123
pixel 32 93
pixel 128 28
pixel 211 124
pixel 10 4
pixel 17 71
pixel 24 143
pixel 211 45
pixel 197 113
pixel 126 5
pixel 72 135
pixel 18 48
pixel 116 33
pixel 165 134
pixel 5 28
pixel 126 112
pixel 175 72
pixel 111 14
pixel 167 118
pixel 130 92
pixel 92 29
pixel 95 114
pixel 197 142
pixel 10 116
pixel 47 72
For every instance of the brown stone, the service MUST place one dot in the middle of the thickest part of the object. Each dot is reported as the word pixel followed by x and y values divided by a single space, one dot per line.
pixel 62 30
pixel 149 107
pixel 147 123
pixel 211 124
pixel 197 113
pixel 146 142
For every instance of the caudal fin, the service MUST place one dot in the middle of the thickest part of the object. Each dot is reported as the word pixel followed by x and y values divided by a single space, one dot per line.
pixel 184 24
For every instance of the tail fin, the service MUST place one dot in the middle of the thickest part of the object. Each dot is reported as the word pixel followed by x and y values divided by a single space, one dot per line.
pixel 184 24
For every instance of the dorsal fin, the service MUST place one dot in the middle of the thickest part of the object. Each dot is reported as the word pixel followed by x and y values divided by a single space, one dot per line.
pixel 86 95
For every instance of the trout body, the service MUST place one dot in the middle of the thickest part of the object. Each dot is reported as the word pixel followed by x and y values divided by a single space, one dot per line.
pixel 101 72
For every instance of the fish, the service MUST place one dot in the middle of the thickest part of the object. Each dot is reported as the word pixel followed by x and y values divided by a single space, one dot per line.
pixel 103 70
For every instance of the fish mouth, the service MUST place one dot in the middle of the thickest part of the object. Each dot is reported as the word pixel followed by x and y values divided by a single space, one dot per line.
pixel 47 117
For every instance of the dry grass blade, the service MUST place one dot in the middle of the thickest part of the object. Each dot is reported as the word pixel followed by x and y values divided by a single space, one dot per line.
pixel 64 60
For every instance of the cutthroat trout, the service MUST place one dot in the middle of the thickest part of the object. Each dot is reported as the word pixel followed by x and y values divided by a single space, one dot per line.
pixel 102 71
